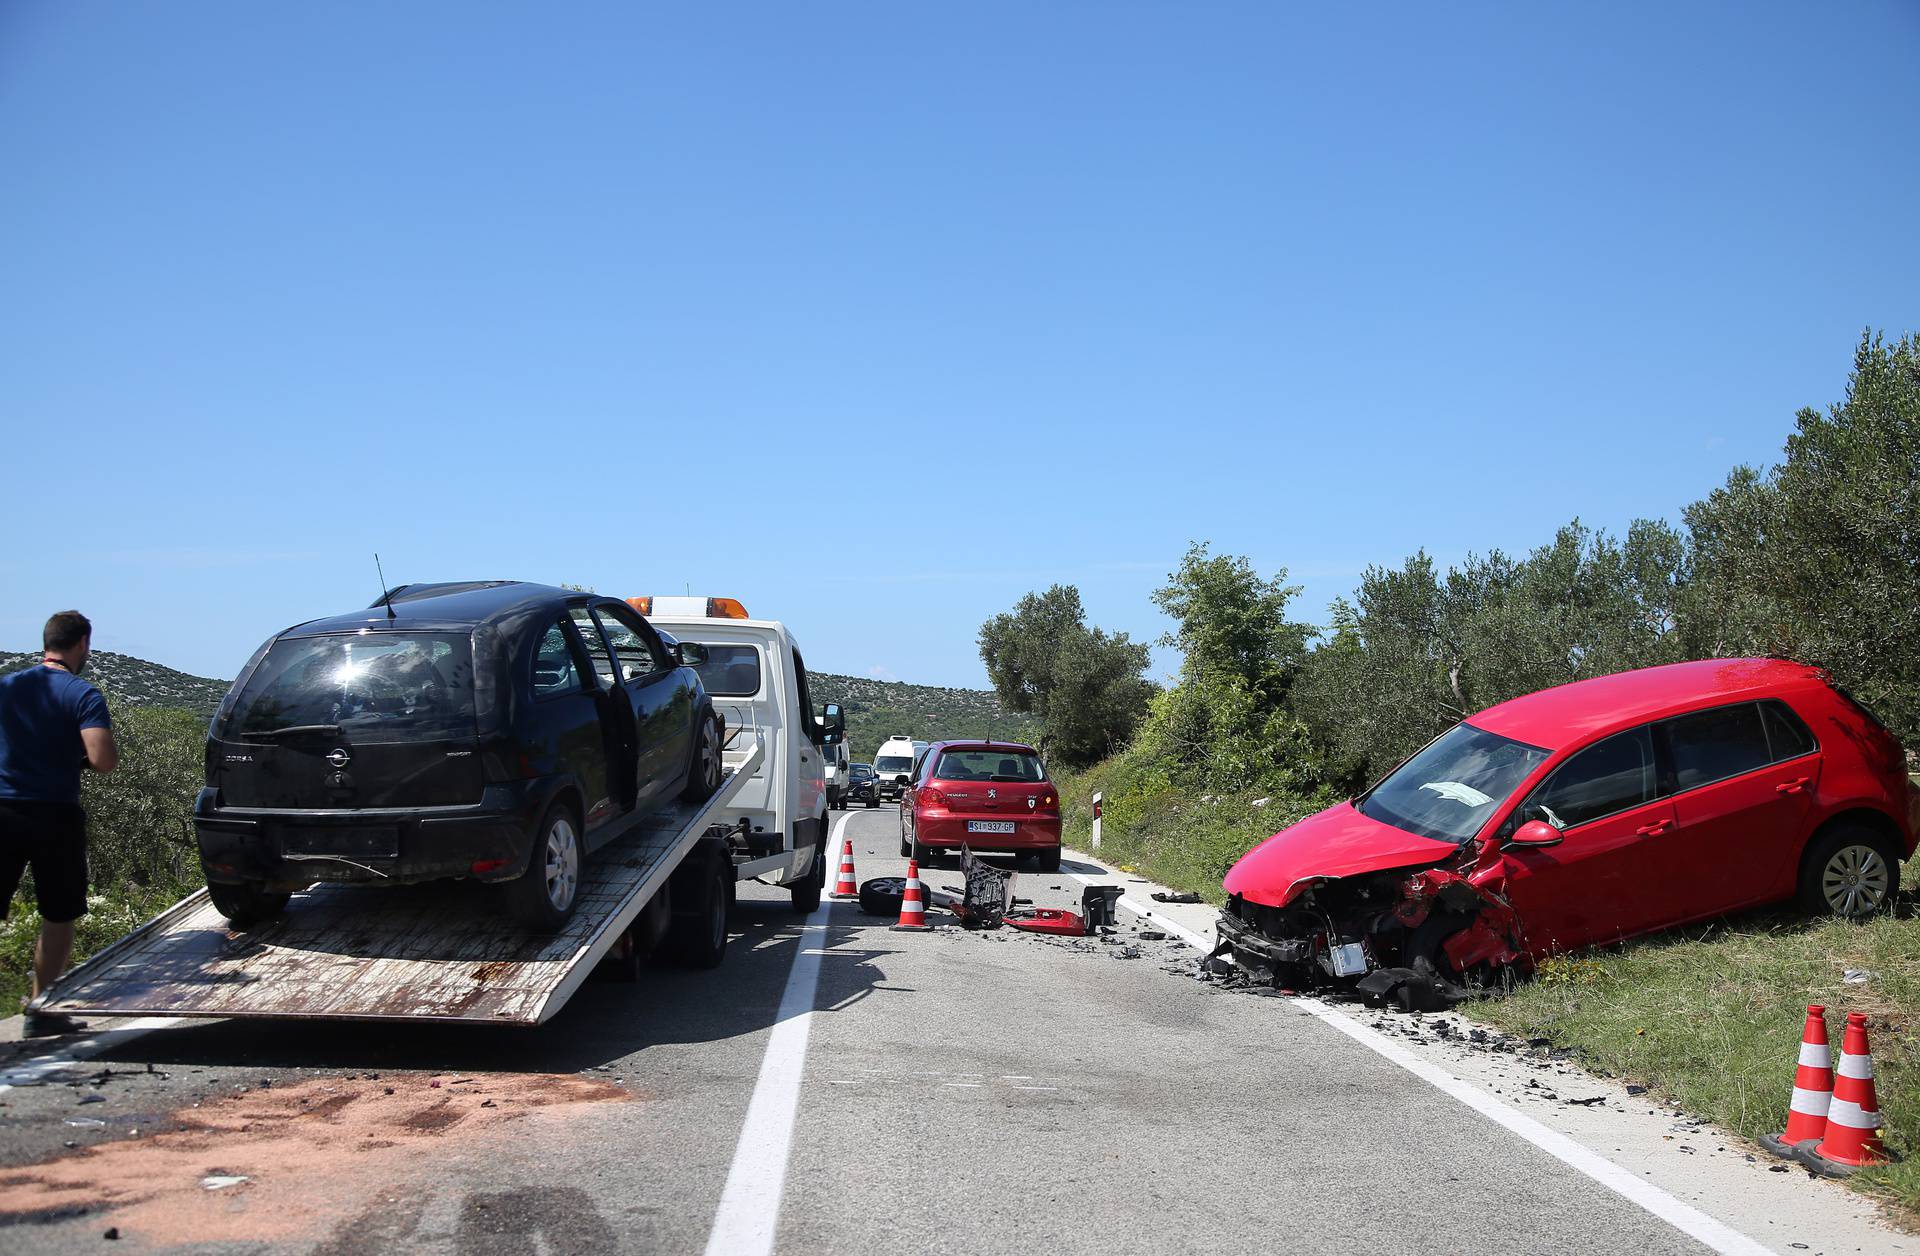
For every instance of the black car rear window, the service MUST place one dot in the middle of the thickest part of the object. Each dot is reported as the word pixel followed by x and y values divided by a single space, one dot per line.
pixel 376 685
pixel 731 671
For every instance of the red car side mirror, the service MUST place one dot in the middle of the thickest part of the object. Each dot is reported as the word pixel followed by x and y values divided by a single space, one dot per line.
pixel 1535 834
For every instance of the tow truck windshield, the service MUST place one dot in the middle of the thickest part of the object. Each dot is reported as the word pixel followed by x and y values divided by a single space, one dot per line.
pixel 1452 788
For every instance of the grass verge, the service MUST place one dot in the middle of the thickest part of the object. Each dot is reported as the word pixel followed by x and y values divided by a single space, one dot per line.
pixel 1709 1016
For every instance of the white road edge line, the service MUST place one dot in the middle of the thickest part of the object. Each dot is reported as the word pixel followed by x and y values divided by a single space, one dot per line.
pixel 749 1212
pixel 1682 1216
pixel 32 1072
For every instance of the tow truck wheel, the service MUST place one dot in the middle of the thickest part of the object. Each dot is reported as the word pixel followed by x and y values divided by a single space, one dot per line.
pixel 245 905
pixel 700 939
pixel 542 897
pixel 806 891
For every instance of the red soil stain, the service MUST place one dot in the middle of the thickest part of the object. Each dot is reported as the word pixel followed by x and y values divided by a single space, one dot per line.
pixel 313 1152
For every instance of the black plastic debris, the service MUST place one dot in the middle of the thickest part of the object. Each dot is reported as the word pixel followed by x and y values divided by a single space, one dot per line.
pixel 1182 896
pixel 1099 904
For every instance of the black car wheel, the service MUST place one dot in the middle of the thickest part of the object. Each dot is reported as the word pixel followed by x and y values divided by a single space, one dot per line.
pixel 705 772
pixel 542 897
pixel 246 905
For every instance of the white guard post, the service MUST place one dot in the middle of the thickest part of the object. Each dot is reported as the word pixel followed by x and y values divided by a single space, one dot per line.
pixel 1096 822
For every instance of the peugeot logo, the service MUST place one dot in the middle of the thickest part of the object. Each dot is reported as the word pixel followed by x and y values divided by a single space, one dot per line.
pixel 339 758
pixel 993 793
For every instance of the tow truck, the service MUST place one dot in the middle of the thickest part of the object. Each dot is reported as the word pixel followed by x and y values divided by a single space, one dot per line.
pixel 440 952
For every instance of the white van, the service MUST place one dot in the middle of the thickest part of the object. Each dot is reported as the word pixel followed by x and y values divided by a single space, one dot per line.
pixel 894 762
pixel 756 678
pixel 838 760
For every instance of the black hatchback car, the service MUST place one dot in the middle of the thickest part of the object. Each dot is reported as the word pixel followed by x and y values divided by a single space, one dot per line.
pixel 494 730
pixel 863 785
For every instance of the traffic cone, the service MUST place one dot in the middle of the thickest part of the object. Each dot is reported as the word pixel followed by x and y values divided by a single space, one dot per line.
pixel 913 901
pixel 846 886
pixel 1812 1089
pixel 1853 1119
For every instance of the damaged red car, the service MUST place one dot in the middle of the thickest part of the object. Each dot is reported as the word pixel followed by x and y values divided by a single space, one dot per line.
pixel 1578 815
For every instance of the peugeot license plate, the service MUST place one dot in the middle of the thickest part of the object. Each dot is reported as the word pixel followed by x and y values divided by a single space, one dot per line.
pixel 989 826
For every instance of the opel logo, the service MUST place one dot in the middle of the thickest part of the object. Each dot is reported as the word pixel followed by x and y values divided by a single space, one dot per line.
pixel 339 758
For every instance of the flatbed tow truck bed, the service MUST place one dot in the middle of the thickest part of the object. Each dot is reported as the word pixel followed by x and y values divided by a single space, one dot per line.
pixel 437 952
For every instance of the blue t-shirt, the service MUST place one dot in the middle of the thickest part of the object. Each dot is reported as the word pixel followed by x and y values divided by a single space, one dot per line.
pixel 42 710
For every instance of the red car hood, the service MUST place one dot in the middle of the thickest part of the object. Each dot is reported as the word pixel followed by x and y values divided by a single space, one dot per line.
pixel 1338 842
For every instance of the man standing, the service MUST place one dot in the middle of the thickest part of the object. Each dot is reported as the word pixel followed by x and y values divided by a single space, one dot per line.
pixel 52 724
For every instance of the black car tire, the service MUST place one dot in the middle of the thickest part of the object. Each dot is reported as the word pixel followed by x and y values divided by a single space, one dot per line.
pixel 881 896
pixel 542 898
pixel 1849 850
pixel 246 905
pixel 872 803
pixel 805 893
pixel 1048 860
pixel 705 770
pixel 699 939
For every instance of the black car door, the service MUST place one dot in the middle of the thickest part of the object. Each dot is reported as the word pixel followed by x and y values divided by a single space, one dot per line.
pixel 660 693
pixel 616 713
pixel 565 729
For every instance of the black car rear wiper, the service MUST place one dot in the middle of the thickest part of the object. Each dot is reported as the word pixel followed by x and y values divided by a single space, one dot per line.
pixel 255 734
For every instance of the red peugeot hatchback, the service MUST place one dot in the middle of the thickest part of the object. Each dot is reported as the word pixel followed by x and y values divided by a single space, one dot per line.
pixel 992 796
pixel 1584 814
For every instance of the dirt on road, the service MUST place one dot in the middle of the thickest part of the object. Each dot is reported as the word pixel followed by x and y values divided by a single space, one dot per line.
pixel 283 1162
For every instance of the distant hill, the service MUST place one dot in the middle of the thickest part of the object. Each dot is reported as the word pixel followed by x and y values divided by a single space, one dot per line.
pixel 876 709
pixel 137 682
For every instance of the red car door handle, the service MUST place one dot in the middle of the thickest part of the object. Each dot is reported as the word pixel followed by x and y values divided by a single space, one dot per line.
pixel 1657 827
pixel 1793 786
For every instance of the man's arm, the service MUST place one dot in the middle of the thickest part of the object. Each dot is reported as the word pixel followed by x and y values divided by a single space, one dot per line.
pixel 102 755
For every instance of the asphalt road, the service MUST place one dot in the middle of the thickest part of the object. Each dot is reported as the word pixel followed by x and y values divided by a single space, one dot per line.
pixel 953 1091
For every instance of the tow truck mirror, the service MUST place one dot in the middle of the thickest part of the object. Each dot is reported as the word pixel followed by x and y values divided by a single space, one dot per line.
pixel 1535 834
pixel 692 654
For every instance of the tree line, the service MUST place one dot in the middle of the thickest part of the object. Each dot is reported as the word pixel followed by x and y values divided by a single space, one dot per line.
pixel 1816 559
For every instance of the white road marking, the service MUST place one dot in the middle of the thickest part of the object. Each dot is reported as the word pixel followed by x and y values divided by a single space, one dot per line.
pixel 33 1071
pixel 749 1212
pixel 1036 1088
pixel 1684 1217
pixel 963 1085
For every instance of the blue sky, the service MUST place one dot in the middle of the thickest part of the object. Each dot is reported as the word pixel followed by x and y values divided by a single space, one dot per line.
pixel 878 316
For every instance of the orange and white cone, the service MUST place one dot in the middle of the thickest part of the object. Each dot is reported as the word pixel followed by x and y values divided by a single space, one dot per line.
pixel 1853 1118
pixel 845 886
pixel 1812 1089
pixel 913 901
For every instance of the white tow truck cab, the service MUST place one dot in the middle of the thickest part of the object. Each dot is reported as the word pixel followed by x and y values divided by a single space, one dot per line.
pixel 757 680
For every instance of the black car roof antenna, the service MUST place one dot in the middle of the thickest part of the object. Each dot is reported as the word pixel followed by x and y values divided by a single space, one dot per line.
pixel 386 594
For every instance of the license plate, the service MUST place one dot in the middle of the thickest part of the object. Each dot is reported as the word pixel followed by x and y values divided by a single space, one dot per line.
pixel 989 826
pixel 352 843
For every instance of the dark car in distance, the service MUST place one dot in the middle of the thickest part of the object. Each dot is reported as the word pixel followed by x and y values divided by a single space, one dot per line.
pixel 863 785
pixel 492 730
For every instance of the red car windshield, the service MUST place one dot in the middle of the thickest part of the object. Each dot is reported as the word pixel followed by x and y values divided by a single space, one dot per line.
pixel 1452 788
pixel 989 765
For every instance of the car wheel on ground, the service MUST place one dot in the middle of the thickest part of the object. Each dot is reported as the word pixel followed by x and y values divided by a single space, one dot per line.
pixel 1048 860
pixel 1851 871
pixel 245 905
pixel 705 772
pixel 542 897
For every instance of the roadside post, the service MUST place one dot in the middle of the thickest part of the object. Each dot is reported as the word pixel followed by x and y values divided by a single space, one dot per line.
pixel 1096 822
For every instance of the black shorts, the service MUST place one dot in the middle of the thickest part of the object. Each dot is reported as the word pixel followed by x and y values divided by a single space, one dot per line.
pixel 51 838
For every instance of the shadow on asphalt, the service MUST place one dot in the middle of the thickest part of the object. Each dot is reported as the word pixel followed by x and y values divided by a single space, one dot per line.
pixel 604 1022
